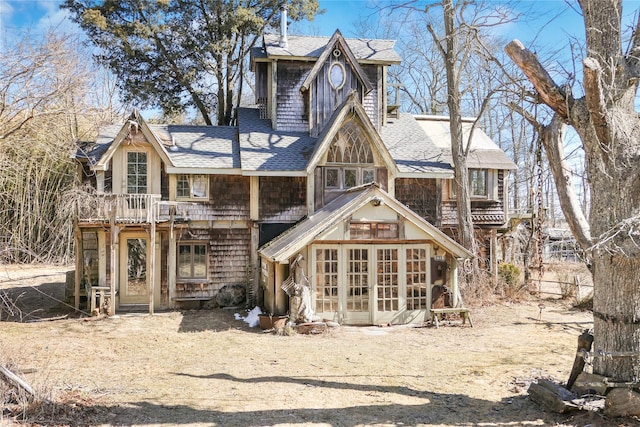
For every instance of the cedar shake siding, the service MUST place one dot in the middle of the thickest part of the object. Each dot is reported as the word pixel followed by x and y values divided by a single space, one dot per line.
pixel 291 107
pixel 483 212
pixel 282 199
pixel 228 200
pixel 421 196
pixel 229 196
pixel 229 260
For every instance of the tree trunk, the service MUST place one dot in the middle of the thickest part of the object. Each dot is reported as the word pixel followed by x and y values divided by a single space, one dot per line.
pixel 609 128
pixel 465 222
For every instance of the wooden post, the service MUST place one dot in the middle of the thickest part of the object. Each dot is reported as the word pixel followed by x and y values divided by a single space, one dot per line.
pixel 585 340
pixel 455 294
pixel 171 261
pixel 494 255
pixel 255 262
pixel 79 253
pixel 112 267
pixel 152 266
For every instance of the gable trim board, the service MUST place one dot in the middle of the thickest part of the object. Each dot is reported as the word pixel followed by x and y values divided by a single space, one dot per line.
pixel 135 120
pixel 349 106
pixel 288 244
pixel 336 39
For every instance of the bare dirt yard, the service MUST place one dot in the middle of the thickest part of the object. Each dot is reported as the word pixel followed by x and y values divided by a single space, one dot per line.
pixel 204 367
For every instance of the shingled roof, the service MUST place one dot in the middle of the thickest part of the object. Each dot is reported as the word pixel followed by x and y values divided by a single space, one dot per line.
pixel 207 147
pixel 311 47
pixel 263 149
pixel 412 149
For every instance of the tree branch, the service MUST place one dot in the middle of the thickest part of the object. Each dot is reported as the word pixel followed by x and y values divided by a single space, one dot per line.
pixel 550 93
pixel 552 138
pixel 633 55
pixel 595 101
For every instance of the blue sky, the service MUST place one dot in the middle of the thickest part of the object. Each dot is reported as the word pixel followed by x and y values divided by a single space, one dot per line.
pixel 39 15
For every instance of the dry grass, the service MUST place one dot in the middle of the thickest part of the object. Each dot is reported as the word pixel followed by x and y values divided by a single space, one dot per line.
pixel 206 368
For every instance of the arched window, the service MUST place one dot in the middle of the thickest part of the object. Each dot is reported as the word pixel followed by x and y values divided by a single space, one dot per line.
pixel 350 146
pixel 349 159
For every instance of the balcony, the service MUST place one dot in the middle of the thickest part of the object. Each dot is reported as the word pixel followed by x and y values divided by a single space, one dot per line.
pixel 122 208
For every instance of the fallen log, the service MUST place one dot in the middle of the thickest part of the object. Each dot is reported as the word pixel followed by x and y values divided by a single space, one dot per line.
pixel 552 397
pixel 17 381
pixel 311 328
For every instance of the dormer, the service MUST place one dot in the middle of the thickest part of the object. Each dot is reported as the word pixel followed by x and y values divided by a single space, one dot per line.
pixel 335 75
pixel 300 83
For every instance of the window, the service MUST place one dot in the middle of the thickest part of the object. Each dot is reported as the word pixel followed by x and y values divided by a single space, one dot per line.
pixel 332 178
pixel 192 261
pixel 326 280
pixel 373 230
pixel 478 183
pixel 416 267
pixel 344 178
pixel 337 75
pixel 136 172
pixel 192 187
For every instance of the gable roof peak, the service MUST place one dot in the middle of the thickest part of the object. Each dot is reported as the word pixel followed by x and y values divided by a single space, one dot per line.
pixel 350 58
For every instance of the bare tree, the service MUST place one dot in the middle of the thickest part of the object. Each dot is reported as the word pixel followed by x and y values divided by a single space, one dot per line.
pixel 608 126
pixel 45 109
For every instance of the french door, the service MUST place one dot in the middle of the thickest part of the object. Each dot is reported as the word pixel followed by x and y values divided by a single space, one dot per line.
pixel 371 284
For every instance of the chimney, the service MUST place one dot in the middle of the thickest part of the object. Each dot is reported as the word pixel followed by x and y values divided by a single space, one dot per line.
pixel 283 26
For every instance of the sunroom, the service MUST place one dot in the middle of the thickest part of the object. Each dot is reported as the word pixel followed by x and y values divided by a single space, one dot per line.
pixel 366 258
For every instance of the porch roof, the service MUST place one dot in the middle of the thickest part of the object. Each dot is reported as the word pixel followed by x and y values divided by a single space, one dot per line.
pixel 289 243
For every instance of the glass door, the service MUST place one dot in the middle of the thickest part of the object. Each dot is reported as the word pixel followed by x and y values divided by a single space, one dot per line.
pixel 134 268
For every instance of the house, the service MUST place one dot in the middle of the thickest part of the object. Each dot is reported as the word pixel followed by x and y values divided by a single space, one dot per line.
pixel 321 174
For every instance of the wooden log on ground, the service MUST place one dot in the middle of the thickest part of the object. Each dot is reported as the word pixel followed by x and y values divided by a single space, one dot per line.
pixel 552 397
pixel 585 340
pixel 622 402
pixel 17 381
pixel 311 328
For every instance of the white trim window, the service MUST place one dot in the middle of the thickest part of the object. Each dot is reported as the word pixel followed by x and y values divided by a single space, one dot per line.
pixel 192 187
pixel 137 172
pixel 342 178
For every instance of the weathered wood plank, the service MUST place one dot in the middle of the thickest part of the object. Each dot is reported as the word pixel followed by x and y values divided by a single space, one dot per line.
pixel 552 397
pixel 585 340
pixel 17 381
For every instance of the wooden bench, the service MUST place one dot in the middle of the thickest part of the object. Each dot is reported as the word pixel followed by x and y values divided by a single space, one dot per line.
pixel 437 312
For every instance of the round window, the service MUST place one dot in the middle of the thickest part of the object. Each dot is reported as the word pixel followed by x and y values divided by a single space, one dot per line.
pixel 336 75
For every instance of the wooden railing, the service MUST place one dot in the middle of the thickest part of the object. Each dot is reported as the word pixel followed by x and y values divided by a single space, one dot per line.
pixel 123 208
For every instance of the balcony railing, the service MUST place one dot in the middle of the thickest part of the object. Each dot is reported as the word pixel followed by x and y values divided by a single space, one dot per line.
pixel 123 208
